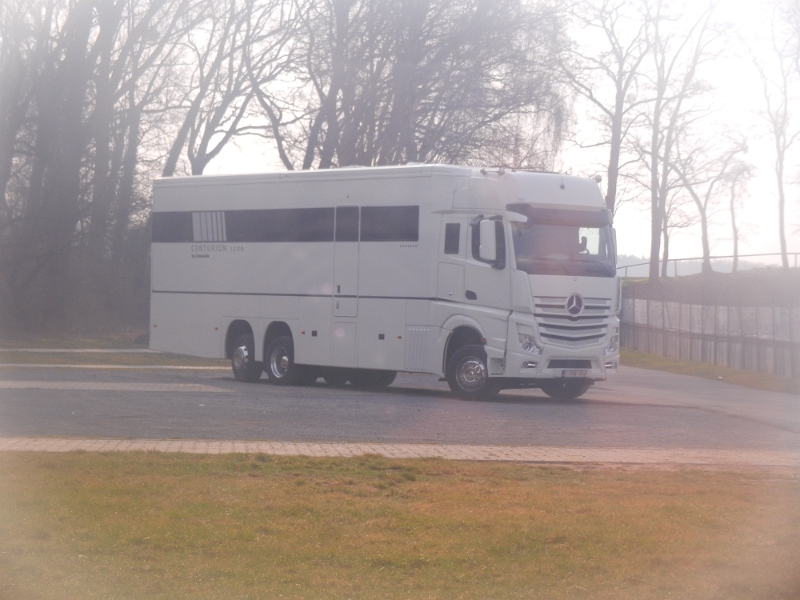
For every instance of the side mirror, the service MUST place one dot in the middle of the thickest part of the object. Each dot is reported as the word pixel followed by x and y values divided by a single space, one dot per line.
pixel 489 241
pixel 487 250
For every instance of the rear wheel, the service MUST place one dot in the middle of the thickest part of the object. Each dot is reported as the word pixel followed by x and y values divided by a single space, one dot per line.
pixel 372 379
pixel 243 363
pixel 468 375
pixel 279 358
pixel 308 375
pixel 335 377
pixel 566 389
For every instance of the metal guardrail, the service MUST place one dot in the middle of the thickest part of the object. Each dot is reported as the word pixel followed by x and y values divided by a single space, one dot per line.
pixel 675 261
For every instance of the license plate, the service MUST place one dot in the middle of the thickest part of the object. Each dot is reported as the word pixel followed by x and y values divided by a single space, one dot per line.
pixel 575 373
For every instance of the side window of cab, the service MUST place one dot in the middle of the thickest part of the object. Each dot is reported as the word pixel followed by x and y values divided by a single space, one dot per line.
pixel 452 238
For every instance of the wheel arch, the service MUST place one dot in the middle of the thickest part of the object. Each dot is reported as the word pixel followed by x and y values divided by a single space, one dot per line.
pixel 276 329
pixel 462 335
pixel 236 328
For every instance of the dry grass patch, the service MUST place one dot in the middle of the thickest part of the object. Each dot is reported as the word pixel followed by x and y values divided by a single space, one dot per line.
pixel 105 358
pixel 111 342
pixel 147 525
pixel 757 381
pixel 123 339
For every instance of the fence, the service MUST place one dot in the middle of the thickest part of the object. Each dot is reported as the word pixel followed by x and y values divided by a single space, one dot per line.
pixel 673 269
pixel 752 338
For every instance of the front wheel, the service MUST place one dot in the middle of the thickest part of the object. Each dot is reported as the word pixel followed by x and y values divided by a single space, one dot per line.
pixel 468 375
pixel 245 368
pixel 279 359
pixel 566 389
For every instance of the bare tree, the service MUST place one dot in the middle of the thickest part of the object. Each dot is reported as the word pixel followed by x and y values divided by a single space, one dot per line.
pixel 739 174
pixel 208 48
pixel 676 217
pixel 778 80
pixel 702 167
pixel 676 54
pixel 255 50
pixel 84 71
pixel 393 81
pixel 610 79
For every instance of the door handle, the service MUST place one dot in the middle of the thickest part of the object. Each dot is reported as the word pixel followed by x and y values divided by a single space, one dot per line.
pixel 471 295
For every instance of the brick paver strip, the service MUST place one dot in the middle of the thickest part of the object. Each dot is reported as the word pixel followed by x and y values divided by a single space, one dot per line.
pixel 111 387
pixel 538 454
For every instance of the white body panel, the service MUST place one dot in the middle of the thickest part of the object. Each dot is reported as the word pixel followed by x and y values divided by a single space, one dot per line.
pixel 369 303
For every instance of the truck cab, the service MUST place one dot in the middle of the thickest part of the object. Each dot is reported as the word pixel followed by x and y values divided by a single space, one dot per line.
pixel 539 275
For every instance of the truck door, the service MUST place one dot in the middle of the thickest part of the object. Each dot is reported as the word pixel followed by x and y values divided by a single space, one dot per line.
pixel 451 260
pixel 487 282
pixel 345 270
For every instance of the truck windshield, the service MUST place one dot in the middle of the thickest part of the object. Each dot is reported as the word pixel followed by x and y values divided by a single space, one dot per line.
pixel 564 242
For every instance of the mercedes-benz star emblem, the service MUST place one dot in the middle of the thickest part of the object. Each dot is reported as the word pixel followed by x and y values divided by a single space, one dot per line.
pixel 574 304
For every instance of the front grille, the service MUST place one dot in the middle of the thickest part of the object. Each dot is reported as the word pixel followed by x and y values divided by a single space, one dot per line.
pixel 560 328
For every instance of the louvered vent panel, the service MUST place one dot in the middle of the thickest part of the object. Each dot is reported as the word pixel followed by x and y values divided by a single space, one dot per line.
pixel 417 348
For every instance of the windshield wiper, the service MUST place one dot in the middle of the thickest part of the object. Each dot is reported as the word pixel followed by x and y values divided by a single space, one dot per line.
pixel 561 265
pixel 603 266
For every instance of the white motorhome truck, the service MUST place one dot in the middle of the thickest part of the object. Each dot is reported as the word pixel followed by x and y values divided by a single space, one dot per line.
pixel 491 279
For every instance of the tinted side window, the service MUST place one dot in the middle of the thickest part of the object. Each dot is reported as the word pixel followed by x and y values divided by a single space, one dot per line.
pixel 173 227
pixel 452 234
pixel 390 224
pixel 280 225
pixel 347 224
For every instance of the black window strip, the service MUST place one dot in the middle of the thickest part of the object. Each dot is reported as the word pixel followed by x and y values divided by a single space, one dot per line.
pixel 172 227
pixel 280 225
pixel 378 224
pixel 347 224
pixel 390 224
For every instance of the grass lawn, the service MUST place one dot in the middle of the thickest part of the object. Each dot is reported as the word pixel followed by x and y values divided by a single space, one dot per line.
pixel 149 525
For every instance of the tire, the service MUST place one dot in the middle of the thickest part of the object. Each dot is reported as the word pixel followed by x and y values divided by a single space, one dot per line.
pixel 372 379
pixel 336 377
pixel 244 367
pixel 468 375
pixel 566 389
pixel 279 362
pixel 308 375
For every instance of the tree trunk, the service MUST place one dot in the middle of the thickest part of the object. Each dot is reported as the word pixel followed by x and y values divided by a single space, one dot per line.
pixel 707 269
pixel 781 212
pixel 613 160
pixel 735 229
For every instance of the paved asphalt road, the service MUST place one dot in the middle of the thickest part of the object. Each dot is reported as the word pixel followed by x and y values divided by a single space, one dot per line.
pixel 637 409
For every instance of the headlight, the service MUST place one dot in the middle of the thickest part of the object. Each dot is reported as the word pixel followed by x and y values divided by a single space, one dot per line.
pixel 528 344
pixel 613 346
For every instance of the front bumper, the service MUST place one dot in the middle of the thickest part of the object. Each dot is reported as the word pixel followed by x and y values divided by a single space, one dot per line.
pixel 552 364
